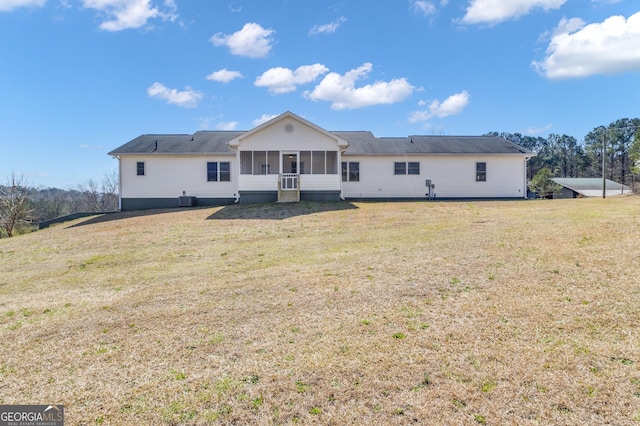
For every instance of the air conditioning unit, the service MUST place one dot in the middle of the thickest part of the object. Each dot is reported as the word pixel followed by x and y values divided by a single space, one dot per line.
pixel 186 201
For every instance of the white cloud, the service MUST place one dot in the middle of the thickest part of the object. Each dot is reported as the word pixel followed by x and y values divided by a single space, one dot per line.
pixel 496 11
pixel 537 130
pixel 340 90
pixel 283 80
pixel 579 50
pixel 454 104
pixel 252 41
pixel 9 5
pixel 566 26
pixel 263 119
pixel 425 7
pixel 124 14
pixel 188 98
pixel 227 125
pixel 224 75
pixel 327 28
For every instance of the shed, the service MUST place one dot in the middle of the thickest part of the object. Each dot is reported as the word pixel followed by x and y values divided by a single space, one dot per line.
pixel 589 187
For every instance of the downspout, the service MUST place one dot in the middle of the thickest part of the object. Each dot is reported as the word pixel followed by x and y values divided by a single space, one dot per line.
pixel 237 200
pixel 120 184
pixel 237 180
pixel 341 151
pixel 526 190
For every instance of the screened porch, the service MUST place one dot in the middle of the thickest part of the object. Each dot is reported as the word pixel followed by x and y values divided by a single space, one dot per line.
pixel 289 172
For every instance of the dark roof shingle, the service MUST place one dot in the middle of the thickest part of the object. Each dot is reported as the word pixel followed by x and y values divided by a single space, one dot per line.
pixel 360 143
pixel 203 142
pixel 364 143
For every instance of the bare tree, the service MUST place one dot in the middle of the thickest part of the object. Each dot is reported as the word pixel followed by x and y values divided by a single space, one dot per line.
pixel 100 196
pixel 15 203
pixel 110 189
pixel 90 196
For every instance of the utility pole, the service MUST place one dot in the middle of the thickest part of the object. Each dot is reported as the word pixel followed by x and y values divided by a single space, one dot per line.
pixel 604 178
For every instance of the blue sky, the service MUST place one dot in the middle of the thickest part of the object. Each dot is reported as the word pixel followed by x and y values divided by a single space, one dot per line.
pixel 79 78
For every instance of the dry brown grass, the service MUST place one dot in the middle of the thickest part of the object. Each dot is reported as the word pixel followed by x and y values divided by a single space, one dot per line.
pixel 372 313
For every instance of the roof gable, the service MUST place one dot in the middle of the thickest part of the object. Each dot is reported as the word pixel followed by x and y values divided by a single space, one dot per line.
pixel 281 118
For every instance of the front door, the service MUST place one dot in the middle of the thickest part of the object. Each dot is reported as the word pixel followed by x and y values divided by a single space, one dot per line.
pixel 289 176
pixel 290 162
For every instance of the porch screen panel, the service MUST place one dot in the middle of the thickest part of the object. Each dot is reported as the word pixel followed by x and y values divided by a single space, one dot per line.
pixel 305 162
pixel 332 162
pixel 260 165
pixel 273 167
pixel 317 162
pixel 246 160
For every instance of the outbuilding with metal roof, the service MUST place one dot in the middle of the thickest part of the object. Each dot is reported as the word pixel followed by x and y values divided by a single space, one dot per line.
pixel 589 187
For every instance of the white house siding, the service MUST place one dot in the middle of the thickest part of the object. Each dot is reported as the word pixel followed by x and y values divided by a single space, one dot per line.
pixel 453 176
pixel 167 176
pixel 319 182
pixel 258 182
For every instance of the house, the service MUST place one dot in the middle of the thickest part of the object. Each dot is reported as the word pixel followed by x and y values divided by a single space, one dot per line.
pixel 588 187
pixel 289 159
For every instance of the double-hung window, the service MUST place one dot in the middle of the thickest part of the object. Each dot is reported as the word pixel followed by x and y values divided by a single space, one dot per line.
pixel 350 171
pixel 218 171
pixel 212 171
pixel 225 171
pixel 140 168
pixel 481 172
pixel 413 168
pixel 406 168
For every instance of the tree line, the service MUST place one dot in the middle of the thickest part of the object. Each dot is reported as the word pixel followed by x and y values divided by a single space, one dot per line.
pixel 565 156
pixel 22 205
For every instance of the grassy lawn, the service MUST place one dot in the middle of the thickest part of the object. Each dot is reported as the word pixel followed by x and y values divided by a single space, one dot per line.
pixel 330 313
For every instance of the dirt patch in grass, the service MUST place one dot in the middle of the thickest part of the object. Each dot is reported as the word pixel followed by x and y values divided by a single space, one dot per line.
pixel 383 313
